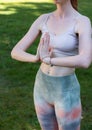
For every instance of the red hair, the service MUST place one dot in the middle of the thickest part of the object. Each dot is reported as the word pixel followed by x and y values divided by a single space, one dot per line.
pixel 74 4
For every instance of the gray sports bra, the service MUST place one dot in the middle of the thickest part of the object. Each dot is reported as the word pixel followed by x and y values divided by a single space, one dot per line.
pixel 66 43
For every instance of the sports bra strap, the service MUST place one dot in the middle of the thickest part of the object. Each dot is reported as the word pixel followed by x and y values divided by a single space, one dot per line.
pixel 46 19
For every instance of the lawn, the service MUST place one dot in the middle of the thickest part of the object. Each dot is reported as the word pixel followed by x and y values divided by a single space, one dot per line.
pixel 17 78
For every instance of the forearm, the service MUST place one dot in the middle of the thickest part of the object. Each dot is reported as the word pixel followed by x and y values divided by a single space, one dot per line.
pixel 72 61
pixel 23 56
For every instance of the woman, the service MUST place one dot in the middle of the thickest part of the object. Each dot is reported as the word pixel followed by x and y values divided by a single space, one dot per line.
pixel 65 45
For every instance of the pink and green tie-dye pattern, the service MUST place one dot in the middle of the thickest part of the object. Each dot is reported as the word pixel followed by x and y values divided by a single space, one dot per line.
pixel 57 102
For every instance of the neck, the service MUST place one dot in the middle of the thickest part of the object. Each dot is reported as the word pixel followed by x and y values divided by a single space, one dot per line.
pixel 64 9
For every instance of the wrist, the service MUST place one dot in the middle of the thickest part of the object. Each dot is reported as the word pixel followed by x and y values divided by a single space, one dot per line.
pixel 46 56
pixel 46 60
pixel 36 59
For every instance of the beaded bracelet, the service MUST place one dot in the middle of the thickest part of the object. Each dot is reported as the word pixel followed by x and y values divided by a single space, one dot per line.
pixel 48 57
pixel 50 62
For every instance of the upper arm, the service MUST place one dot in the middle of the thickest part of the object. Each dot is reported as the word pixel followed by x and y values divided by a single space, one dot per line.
pixel 84 33
pixel 31 35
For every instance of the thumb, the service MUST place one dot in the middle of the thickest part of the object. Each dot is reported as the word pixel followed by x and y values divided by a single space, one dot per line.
pixel 41 41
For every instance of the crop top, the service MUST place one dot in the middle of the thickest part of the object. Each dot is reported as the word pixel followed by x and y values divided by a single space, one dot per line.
pixel 65 43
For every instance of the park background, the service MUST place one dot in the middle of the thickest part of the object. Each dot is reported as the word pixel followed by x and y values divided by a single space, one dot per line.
pixel 17 78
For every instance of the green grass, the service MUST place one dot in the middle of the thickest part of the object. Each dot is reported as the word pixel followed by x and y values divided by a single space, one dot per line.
pixel 17 78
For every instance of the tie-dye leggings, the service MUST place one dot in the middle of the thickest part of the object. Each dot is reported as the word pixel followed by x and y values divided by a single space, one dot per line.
pixel 57 102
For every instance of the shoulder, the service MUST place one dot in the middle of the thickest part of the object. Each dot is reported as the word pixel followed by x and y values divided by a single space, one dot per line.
pixel 41 20
pixel 83 23
pixel 83 19
pixel 43 17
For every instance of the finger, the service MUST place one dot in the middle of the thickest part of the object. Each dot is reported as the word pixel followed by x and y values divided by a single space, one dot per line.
pixel 46 38
pixel 51 51
pixel 40 46
pixel 41 42
pixel 46 43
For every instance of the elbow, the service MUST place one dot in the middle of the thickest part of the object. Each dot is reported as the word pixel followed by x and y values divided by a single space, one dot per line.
pixel 13 54
pixel 86 64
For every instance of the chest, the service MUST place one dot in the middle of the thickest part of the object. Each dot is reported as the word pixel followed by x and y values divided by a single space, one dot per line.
pixel 63 41
pixel 66 42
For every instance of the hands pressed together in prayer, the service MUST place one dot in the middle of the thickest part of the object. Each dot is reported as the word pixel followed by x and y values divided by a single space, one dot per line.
pixel 44 51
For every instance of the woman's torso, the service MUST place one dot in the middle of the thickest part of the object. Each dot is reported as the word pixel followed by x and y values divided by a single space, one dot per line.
pixel 64 44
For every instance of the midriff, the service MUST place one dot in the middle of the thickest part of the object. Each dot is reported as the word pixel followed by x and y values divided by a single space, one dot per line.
pixel 56 70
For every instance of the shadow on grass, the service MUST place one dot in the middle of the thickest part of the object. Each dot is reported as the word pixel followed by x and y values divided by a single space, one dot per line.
pixel 12 28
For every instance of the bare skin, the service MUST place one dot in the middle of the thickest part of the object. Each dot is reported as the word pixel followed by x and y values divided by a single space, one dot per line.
pixel 64 17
